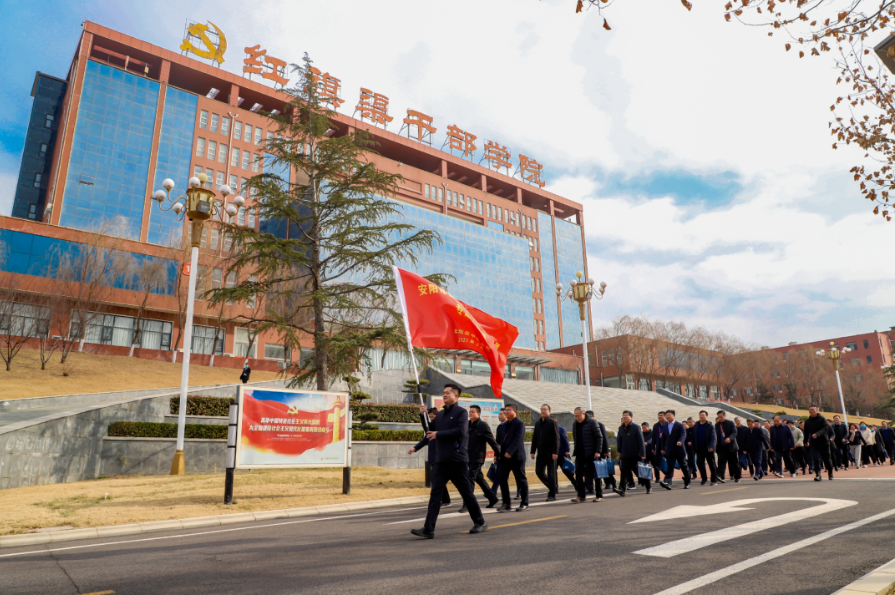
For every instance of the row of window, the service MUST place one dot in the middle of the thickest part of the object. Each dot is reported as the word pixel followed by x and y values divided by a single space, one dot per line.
pixel 216 180
pixel 535 285
pixel 474 205
pixel 537 306
pixel 244 131
pixel 535 264
pixel 238 158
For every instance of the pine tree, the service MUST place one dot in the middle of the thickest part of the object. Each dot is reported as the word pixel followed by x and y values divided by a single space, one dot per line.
pixel 330 280
pixel 355 395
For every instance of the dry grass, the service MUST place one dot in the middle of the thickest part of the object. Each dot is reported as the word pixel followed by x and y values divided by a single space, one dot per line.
pixel 800 412
pixel 136 499
pixel 88 373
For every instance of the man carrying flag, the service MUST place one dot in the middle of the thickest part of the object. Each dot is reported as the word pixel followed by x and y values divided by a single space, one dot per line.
pixel 435 319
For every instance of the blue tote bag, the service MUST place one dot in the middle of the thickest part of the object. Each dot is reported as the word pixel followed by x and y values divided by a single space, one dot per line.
pixel 644 471
pixel 601 468
pixel 492 472
pixel 568 465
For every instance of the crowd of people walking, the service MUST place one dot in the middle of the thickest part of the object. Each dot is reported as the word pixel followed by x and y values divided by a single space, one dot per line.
pixel 712 451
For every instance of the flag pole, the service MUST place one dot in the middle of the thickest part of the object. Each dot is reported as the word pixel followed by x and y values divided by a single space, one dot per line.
pixel 400 285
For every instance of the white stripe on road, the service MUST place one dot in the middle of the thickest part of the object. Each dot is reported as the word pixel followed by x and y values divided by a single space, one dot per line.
pixel 452 515
pixel 782 551
pixel 689 544
pixel 78 547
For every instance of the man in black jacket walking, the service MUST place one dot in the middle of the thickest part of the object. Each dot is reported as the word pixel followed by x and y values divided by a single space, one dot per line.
pixel 756 444
pixel 818 434
pixel 840 444
pixel 674 451
pixel 479 437
pixel 545 448
pixel 450 433
pixel 705 442
pixel 430 457
pixel 588 445
pixel 631 450
pixel 512 460
pixel 609 480
pixel 728 447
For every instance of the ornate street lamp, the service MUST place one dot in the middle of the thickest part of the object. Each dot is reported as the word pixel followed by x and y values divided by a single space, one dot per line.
pixel 198 205
pixel 582 292
pixel 834 355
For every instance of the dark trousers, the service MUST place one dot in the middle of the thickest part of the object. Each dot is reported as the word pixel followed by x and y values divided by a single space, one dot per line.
pixel 458 474
pixel 730 460
pixel 609 482
pixel 756 457
pixel 765 461
pixel 691 460
pixel 476 477
pixel 703 457
pixel 545 469
pixel 784 456
pixel 798 457
pixel 890 450
pixel 681 459
pixel 628 472
pixel 835 455
pixel 820 454
pixel 844 454
pixel 517 468
pixel 584 474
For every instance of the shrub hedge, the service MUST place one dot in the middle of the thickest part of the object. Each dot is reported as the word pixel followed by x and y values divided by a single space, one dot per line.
pixel 143 429
pixel 203 405
pixel 388 435
pixel 406 414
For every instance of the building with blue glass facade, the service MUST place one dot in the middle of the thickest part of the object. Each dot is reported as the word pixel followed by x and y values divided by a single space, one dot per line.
pixel 130 114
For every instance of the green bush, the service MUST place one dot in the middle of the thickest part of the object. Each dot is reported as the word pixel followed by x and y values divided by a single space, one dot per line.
pixel 781 413
pixel 143 429
pixel 201 405
pixel 525 416
pixel 408 414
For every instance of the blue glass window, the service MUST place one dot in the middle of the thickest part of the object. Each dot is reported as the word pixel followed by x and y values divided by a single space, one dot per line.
pixel 111 148
pixel 548 272
pixel 570 258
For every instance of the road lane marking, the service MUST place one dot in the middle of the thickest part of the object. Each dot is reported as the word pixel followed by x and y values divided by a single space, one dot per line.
pixel 722 491
pixel 549 518
pixel 453 515
pixel 689 544
pixel 100 593
pixel 724 573
pixel 91 545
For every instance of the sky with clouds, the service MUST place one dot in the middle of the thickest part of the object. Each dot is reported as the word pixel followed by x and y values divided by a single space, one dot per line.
pixel 699 148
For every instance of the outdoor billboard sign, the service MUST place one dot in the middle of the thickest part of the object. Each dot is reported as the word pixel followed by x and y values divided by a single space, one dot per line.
pixel 282 428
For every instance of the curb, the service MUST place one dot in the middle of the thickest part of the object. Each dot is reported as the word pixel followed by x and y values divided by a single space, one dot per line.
pixel 876 582
pixel 196 522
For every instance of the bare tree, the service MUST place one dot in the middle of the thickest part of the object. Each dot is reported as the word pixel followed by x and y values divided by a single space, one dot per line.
pixel 84 275
pixel 145 277
pixel 18 318
pixel 53 315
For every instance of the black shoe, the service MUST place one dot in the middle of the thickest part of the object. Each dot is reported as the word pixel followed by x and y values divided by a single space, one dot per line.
pixel 619 492
pixel 722 480
pixel 577 500
pixel 704 481
pixel 737 480
pixel 831 477
pixel 463 509
pixel 550 499
pixel 505 508
pixel 632 487
pixel 664 485
pixel 445 505
pixel 516 497
pixel 714 483
pixel 522 508
pixel 492 504
pixel 649 490
pixel 477 528
pixel 686 486
pixel 755 477
pixel 818 478
pixel 423 533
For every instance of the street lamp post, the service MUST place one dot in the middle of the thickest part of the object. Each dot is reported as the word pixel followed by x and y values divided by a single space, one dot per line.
pixel 834 354
pixel 582 292
pixel 198 205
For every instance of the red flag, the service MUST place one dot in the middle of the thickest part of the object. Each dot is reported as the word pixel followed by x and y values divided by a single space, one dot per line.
pixel 435 319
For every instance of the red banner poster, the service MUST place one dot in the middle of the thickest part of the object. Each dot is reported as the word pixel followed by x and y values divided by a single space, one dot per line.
pixel 436 320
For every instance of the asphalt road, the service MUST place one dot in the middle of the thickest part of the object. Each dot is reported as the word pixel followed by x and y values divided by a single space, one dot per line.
pixel 553 548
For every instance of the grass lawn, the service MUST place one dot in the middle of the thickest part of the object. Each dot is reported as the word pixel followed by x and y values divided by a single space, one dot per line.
pixel 89 373
pixel 800 412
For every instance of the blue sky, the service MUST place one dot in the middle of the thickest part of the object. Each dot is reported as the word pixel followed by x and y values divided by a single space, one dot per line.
pixel 710 190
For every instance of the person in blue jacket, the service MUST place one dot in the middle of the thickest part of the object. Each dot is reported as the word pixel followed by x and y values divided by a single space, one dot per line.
pixel 674 451
pixel 512 460
pixel 631 450
pixel 782 444
pixel 565 447
pixel 705 444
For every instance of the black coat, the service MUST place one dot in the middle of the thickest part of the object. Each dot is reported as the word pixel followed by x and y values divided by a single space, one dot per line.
pixel 604 452
pixel 742 437
pixel 660 433
pixel 755 440
pixel 711 439
pixel 724 430
pixel 587 438
pixel 630 442
pixel 513 439
pixel 816 430
pixel 546 437
pixel 676 433
pixel 840 433
pixel 782 438
pixel 452 438
pixel 690 442
pixel 480 436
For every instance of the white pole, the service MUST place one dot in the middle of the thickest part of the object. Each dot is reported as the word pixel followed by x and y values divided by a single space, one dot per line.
pixel 841 400
pixel 178 466
pixel 586 364
pixel 400 285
